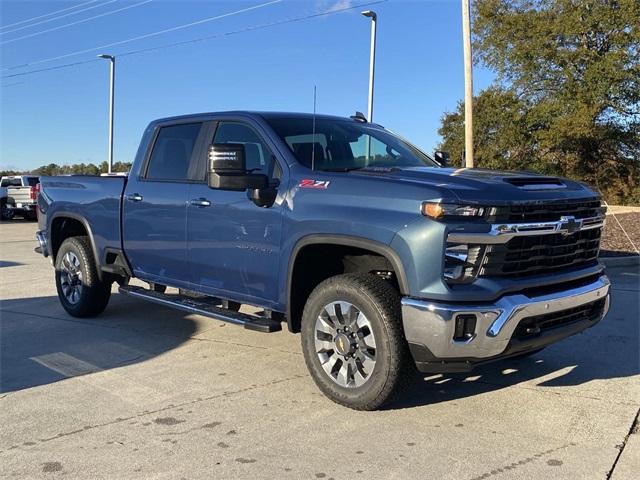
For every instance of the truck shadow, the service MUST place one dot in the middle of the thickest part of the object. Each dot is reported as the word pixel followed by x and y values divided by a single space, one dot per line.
pixel 4 263
pixel 609 350
pixel 41 344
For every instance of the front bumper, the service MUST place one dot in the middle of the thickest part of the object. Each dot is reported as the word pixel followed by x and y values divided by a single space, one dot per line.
pixel 430 326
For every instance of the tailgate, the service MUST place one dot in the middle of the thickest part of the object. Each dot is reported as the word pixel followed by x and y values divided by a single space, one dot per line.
pixel 20 196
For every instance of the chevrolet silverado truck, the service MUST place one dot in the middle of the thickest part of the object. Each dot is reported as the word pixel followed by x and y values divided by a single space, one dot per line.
pixel 380 257
pixel 18 195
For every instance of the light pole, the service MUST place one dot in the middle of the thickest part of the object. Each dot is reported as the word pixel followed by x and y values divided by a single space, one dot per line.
pixel 112 61
pixel 468 86
pixel 372 60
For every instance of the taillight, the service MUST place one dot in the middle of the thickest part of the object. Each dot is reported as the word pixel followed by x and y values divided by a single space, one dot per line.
pixel 35 190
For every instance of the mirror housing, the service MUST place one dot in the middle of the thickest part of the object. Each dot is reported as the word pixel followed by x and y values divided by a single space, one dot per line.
pixel 228 169
pixel 442 158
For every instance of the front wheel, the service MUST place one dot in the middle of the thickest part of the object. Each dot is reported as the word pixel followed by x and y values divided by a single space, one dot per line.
pixel 80 290
pixel 353 341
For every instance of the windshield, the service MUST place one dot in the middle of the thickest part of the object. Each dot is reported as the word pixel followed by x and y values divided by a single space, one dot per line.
pixel 343 145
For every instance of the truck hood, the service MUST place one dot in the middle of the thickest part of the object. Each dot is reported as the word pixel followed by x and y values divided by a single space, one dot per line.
pixel 483 186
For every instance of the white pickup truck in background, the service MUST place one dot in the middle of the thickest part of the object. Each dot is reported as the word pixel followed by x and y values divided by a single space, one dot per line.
pixel 19 195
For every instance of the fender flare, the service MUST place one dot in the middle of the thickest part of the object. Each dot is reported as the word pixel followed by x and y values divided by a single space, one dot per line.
pixel 87 227
pixel 350 241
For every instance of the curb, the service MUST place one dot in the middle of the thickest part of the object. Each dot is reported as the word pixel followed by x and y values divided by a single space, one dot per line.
pixel 626 261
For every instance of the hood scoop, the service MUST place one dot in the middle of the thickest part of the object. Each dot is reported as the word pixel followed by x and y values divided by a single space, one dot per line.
pixel 536 183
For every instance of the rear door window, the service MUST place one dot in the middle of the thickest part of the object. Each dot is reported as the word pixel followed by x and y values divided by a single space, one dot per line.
pixel 172 152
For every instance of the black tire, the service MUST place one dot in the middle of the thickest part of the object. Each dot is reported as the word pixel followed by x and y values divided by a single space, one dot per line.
pixel 92 295
pixel 380 304
pixel 6 213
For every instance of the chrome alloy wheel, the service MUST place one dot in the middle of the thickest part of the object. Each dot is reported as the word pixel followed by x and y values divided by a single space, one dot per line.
pixel 345 344
pixel 71 277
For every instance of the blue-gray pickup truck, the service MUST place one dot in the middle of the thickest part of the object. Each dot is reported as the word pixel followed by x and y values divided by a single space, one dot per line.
pixel 382 258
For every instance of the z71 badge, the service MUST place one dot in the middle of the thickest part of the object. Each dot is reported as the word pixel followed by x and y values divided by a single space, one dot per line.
pixel 319 184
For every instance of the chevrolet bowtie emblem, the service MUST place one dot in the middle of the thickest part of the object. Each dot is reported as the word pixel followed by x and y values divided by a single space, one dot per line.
pixel 569 225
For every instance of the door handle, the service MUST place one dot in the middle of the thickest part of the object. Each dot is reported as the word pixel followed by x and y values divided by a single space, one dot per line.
pixel 200 202
pixel 134 197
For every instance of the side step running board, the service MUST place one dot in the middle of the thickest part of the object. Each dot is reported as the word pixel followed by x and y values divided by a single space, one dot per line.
pixel 209 308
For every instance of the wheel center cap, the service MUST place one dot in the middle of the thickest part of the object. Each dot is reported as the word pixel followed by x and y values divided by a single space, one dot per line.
pixel 343 344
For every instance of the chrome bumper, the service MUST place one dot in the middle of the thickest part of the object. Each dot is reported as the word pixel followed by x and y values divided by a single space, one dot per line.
pixel 432 324
pixel 43 243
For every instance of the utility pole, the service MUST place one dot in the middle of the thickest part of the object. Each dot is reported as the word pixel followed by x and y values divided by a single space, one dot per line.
pixel 112 79
pixel 468 86
pixel 372 59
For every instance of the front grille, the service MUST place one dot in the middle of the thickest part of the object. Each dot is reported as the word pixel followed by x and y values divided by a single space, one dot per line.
pixel 538 254
pixel 546 212
pixel 532 326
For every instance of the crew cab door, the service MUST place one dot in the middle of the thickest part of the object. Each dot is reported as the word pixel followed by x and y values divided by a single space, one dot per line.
pixel 155 206
pixel 234 245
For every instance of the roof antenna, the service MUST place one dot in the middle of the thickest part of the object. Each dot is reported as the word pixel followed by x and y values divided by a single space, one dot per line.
pixel 313 138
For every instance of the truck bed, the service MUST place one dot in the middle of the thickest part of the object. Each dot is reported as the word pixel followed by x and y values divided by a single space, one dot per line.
pixel 93 200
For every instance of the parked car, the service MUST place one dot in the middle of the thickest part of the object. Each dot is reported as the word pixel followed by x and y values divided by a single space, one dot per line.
pixel 18 195
pixel 381 258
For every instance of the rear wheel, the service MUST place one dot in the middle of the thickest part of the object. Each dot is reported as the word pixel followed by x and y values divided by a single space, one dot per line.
pixel 353 342
pixel 80 290
pixel 6 213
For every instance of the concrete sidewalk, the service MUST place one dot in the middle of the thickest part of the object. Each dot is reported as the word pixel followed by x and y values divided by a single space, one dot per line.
pixel 148 392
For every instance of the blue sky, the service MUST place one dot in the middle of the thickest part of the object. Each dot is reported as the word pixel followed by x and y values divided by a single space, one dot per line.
pixel 61 116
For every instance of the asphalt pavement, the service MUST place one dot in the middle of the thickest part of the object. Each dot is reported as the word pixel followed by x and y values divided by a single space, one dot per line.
pixel 144 391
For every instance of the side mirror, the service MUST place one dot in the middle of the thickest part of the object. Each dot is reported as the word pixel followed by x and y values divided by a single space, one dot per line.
pixel 228 170
pixel 442 158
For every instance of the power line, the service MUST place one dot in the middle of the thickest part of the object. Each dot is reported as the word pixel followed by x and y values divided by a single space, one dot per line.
pixel 59 17
pixel 261 26
pixel 324 13
pixel 47 14
pixel 60 27
pixel 148 35
pixel 57 67
pixel 10 84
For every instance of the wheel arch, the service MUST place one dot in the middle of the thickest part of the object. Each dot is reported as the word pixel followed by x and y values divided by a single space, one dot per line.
pixel 65 225
pixel 363 244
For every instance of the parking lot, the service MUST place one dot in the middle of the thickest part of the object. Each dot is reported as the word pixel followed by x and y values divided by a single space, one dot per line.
pixel 145 391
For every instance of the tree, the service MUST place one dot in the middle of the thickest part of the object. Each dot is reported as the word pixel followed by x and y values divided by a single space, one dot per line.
pixel 567 96
pixel 47 170
pixel 80 169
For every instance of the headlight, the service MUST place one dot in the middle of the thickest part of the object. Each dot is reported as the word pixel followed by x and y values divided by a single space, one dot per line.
pixel 442 210
pixel 604 206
